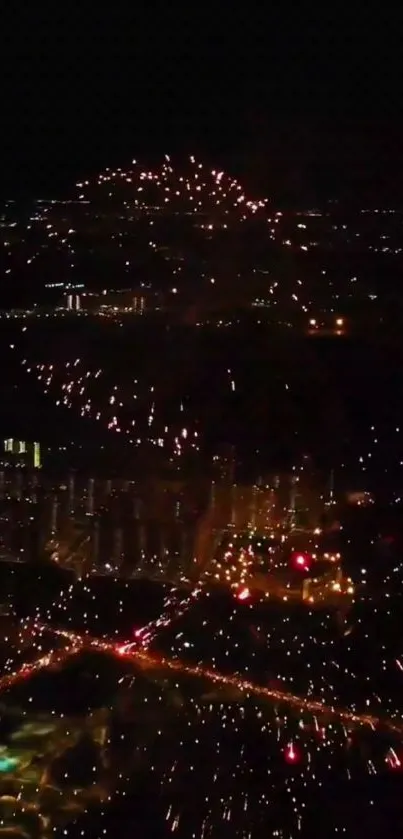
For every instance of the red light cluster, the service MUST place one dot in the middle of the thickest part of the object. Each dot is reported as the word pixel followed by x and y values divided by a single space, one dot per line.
pixel 243 594
pixel 393 760
pixel 291 754
pixel 301 560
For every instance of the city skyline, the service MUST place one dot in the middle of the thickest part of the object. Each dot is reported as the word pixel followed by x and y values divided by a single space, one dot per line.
pixel 201 451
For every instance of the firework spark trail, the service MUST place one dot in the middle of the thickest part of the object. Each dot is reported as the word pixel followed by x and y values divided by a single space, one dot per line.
pixel 174 608
pixel 244 686
pixel 30 668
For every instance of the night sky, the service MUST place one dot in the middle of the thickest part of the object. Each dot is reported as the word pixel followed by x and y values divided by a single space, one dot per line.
pixel 301 102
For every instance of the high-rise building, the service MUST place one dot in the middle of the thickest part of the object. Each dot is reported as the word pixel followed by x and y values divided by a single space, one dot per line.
pixel 20 453
pixel 73 302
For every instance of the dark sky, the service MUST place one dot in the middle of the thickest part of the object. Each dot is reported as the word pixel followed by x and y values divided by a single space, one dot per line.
pixel 289 95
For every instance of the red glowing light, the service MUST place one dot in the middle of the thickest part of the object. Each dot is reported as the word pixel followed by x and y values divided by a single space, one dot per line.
pixel 244 594
pixel 301 561
pixel 393 760
pixel 291 754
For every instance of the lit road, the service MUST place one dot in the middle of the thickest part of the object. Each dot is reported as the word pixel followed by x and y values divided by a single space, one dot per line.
pixel 133 652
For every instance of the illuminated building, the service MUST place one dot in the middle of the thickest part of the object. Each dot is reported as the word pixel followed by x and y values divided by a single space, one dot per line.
pixel 117 550
pixel 73 302
pixel 90 497
pixel 135 301
pixel 19 453
pixel 224 465
pixel 95 544
pixel 71 492
pixel 54 516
